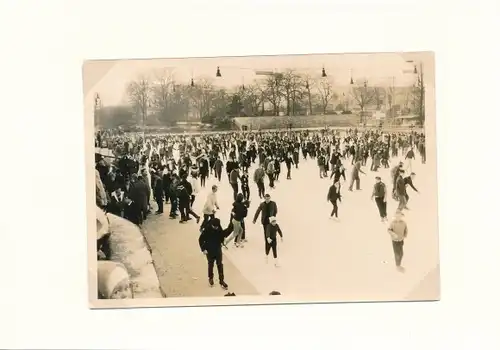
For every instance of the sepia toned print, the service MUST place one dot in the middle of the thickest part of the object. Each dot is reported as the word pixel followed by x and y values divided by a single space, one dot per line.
pixel 271 179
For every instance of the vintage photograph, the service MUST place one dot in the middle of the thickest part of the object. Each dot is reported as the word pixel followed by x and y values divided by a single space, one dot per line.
pixel 269 179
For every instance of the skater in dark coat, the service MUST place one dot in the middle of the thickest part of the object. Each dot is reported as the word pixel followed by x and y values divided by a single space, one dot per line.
pixel 210 241
pixel 289 162
pixel 266 209
pixel 333 196
pixel 158 192
pixel 272 232
pixel 380 195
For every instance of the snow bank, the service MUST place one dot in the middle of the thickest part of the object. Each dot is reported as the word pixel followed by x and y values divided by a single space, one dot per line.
pixel 129 248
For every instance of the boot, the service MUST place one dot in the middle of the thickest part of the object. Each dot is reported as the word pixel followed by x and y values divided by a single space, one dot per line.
pixel 223 284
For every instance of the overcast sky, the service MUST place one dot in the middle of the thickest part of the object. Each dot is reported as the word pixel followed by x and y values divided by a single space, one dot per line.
pixel 110 78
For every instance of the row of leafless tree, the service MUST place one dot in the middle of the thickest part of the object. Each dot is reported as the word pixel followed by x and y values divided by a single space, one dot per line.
pixel 289 92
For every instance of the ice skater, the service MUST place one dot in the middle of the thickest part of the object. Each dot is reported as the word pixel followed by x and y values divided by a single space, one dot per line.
pixel 380 195
pixel 272 231
pixel 238 214
pixel 398 230
pixel 210 241
pixel 334 196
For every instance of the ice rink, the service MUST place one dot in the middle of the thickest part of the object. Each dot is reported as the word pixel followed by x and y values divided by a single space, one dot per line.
pixel 327 260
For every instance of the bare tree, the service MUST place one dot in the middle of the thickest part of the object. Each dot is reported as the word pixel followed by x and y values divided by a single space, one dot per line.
pixel 220 103
pixel 418 98
pixel 391 99
pixel 261 90
pixel 162 94
pixel 379 96
pixel 309 85
pixel 252 99
pixel 363 96
pixel 293 90
pixel 326 94
pixel 407 97
pixel 180 102
pixel 299 93
pixel 139 93
pixel 274 91
pixel 202 95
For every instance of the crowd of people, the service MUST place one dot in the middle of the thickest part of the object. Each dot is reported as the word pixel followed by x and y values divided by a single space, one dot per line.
pixel 173 169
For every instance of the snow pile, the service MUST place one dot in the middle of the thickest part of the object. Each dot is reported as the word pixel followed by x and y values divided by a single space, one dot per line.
pixel 113 280
pixel 128 247
pixel 102 223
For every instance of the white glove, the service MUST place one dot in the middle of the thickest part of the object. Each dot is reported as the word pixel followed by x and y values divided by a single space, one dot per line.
pixel 269 240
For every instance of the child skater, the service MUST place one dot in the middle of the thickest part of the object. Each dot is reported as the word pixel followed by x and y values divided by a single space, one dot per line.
pixel 272 230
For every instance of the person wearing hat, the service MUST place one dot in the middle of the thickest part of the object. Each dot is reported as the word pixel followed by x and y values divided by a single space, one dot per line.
pixel 380 195
pixel 272 229
pixel 398 230
pixel 211 240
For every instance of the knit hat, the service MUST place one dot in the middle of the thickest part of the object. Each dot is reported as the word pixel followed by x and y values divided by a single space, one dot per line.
pixel 110 276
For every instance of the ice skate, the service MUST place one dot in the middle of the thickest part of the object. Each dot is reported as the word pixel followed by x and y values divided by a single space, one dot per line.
pixel 223 285
pixel 276 263
pixel 211 282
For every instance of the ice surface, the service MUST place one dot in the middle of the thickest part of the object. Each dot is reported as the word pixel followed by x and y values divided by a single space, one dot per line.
pixel 347 260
